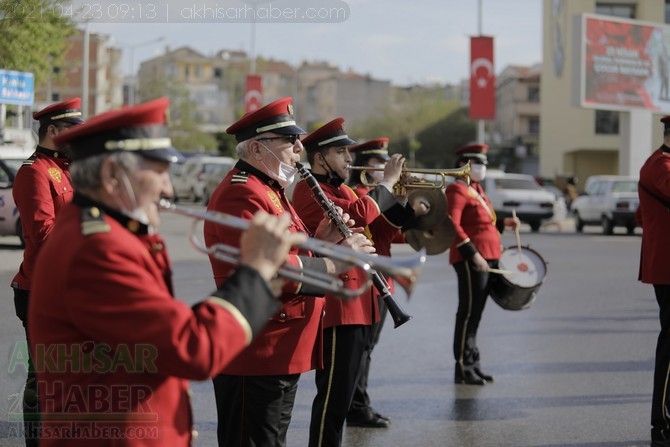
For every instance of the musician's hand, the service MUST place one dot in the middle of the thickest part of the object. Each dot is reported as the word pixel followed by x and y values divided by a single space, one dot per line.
pixel 420 206
pixel 357 242
pixel 329 231
pixel 393 169
pixel 512 222
pixel 264 246
pixel 479 263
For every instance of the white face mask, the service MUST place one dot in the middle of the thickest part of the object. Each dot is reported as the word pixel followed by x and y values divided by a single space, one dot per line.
pixel 477 172
pixel 286 173
pixel 136 212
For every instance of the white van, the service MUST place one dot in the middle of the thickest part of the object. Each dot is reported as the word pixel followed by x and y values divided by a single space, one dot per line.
pixel 188 180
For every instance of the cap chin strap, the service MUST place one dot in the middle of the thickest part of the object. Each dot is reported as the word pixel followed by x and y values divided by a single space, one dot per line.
pixel 333 177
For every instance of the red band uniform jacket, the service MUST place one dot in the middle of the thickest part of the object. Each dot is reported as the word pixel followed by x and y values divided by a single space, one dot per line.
pixel 654 218
pixel 113 349
pixel 363 210
pixel 474 223
pixel 41 188
pixel 292 341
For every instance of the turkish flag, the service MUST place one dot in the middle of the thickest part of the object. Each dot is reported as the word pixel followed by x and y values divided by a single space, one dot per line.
pixel 482 79
pixel 253 94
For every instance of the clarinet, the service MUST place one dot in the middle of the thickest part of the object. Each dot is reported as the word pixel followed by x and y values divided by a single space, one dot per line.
pixel 398 315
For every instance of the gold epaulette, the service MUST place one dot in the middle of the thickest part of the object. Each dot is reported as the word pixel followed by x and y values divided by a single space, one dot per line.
pixel 93 221
pixel 30 160
pixel 240 177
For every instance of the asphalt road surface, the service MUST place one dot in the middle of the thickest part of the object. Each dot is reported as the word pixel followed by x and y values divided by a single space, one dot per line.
pixel 573 370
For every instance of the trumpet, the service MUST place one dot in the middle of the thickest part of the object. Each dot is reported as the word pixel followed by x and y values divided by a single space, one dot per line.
pixel 405 269
pixel 409 182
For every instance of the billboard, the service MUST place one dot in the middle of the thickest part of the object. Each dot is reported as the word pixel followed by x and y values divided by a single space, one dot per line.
pixel 624 64
pixel 482 79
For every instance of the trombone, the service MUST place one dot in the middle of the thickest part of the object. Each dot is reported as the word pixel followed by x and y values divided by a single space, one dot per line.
pixel 408 182
pixel 405 270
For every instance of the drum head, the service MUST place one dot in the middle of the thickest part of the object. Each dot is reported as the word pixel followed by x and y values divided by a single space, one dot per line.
pixel 527 267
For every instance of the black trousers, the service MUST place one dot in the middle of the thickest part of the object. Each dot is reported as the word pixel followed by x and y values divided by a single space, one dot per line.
pixel 473 290
pixel 361 399
pixel 343 350
pixel 31 411
pixel 660 400
pixel 254 411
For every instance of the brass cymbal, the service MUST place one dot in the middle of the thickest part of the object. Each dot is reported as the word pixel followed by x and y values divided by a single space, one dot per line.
pixel 437 204
pixel 435 241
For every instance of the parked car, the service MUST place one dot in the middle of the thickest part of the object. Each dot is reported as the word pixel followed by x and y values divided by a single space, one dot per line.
pixel 212 178
pixel 188 181
pixel 519 193
pixel 10 221
pixel 609 201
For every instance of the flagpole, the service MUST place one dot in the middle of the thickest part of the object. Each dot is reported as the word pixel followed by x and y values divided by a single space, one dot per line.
pixel 481 137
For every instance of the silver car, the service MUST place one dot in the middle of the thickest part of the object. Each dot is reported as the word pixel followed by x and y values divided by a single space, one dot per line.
pixel 609 201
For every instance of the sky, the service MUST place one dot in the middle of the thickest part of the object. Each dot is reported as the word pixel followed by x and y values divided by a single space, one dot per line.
pixel 396 40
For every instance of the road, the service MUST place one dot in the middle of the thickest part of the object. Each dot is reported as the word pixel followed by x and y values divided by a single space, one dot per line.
pixel 573 370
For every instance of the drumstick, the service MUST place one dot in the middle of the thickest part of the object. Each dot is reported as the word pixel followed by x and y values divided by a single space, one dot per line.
pixel 516 233
pixel 501 272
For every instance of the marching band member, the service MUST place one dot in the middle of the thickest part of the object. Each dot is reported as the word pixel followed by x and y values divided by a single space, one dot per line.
pixel 256 392
pixel 114 351
pixel 347 324
pixel 476 248
pixel 42 187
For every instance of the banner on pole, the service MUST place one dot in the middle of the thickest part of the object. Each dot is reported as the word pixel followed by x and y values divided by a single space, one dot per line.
pixel 253 94
pixel 482 79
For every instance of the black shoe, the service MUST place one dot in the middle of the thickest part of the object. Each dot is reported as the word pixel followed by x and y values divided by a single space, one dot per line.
pixel 368 419
pixel 483 375
pixel 468 377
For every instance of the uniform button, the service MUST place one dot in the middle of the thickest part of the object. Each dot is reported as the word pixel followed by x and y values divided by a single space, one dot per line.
pixel 194 435
pixel 189 392
pixel 282 315
pixel 94 212
pixel 323 314
pixel 344 277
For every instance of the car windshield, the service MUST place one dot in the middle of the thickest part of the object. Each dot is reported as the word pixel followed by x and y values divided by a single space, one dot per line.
pixel 625 186
pixel 516 183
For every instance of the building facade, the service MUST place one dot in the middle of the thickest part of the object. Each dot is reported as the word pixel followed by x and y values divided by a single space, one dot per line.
pixel 576 140
pixel 105 76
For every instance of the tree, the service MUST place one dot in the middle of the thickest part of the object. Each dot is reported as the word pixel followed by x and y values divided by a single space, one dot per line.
pixel 34 35
pixel 414 110
pixel 184 119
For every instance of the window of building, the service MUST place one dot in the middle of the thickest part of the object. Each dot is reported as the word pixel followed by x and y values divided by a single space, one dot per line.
pixel 534 126
pixel 218 72
pixel 198 71
pixel 667 11
pixel 607 122
pixel 533 94
pixel 626 11
pixel 55 97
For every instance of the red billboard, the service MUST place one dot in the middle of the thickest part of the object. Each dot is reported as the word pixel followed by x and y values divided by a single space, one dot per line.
pixel 625 64
pixel 482 79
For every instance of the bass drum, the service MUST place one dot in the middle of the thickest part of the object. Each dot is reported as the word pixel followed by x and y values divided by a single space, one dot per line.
pixel 517 288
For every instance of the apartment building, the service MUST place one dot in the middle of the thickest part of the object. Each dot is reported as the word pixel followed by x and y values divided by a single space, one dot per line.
pixel 105 75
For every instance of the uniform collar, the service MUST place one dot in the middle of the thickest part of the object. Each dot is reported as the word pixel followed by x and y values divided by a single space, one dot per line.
pixel 51 153
pixel 330 179
pixel 243 166
pixel 665 148
pixel 132 225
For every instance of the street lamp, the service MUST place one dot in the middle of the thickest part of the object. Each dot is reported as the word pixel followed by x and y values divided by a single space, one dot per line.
pixel 131 53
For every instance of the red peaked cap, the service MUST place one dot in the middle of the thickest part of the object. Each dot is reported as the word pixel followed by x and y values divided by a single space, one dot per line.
pixel 478 151
pixel 377 148
pixel 141 129
pixel 276 117
pixel 68 111
pixel 330 134
pixel 666 122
